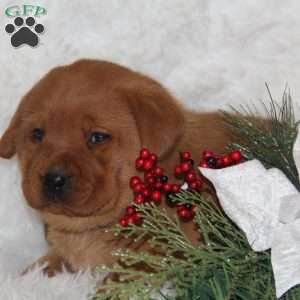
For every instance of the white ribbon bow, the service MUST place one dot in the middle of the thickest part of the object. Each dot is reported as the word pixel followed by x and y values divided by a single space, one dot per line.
pixel 266 206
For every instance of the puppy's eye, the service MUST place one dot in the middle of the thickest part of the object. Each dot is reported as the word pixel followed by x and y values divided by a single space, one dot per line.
pixel 98 137
pixel 38 134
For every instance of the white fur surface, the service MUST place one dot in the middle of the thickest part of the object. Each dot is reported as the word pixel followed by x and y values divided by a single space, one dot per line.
pixel 208 53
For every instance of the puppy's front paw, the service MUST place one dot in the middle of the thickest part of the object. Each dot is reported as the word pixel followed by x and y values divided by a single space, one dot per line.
pixel 52 264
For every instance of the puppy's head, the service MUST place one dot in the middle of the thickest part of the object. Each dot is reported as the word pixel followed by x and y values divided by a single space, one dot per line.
pixel 78 131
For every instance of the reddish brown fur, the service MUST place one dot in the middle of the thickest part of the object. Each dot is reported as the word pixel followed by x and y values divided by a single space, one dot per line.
pixel 69 103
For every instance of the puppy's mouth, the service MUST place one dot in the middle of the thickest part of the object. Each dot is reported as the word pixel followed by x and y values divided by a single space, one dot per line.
pixel 60 195
pixel 76 192
pixel 70 210
pixel 75 205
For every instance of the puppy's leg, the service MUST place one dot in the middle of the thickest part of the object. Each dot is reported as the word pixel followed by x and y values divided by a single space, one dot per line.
pixel 52 262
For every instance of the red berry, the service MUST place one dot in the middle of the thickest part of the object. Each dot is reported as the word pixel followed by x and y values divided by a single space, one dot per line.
pixel 151 180
pixel 185 167
pixel 177 171
pixel 175 188
pixel 138 188
pixel 193 185
pixel 148 174
pixel 203 164
pixel 131 219
pixel 158 185
pixel 137 219
pixel 138 199
pixel 139 163
pixel 148 164
pixel 185 155
pixel 134 181
pixel 185 214
pixel 146 192
pixel 153 157
pixel 199 183
pixel 167 187
pixel 219 163
pixel 226 160
pixel 129 210
pixel 123 222
pixel 191 176
pixel 158 171
pixel 156 196
pixel 144 153
pixel 236 156
pixel 206 154
pixel 194 210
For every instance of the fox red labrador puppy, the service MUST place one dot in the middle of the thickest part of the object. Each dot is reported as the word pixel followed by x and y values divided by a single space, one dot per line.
pixel 76 135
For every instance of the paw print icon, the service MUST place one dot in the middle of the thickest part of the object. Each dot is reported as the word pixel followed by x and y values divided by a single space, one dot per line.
pixel 24 32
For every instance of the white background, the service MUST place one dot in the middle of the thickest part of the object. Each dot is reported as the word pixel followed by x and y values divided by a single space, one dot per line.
pixel 208 53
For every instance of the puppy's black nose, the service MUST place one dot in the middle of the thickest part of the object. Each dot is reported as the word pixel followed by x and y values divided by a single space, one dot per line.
pixel 54 184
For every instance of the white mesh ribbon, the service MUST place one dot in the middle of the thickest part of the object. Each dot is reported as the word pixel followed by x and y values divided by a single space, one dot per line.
pixel 297 151
pixel 266 206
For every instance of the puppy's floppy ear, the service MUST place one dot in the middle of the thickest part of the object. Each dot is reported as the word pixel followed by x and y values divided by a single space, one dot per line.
pixel 8 139
pixel 158 116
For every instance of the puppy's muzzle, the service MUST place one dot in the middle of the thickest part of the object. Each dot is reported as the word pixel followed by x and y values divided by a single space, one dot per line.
pixel 56 184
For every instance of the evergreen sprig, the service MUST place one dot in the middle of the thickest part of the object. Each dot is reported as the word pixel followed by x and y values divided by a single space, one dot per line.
pixel 223 267
pixel 269 138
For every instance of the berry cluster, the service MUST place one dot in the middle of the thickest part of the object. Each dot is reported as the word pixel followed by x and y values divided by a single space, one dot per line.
pixel 131 217
pixel 186 170
pixel 213 161
pixel 155 183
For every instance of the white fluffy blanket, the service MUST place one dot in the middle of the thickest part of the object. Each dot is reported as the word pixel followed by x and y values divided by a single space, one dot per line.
pixel 208 53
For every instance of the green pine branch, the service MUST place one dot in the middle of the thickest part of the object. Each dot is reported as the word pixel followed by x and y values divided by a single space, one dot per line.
pixel 223 267
pixel 270 141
